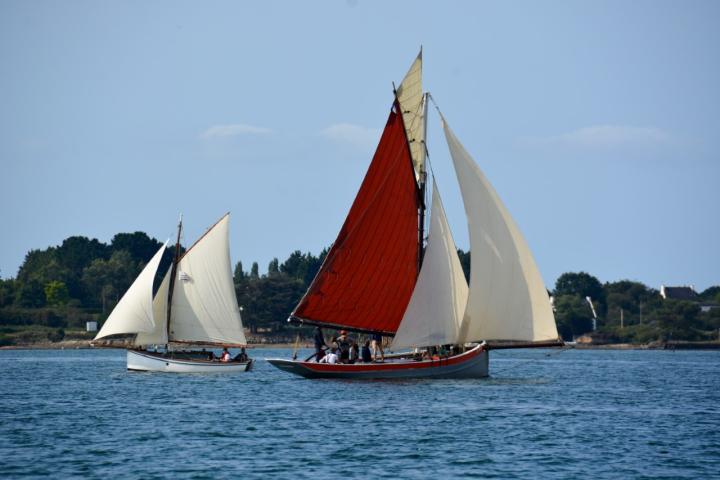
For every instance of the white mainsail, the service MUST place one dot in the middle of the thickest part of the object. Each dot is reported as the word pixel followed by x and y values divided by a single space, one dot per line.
pixel 410 96
pixel 435 311
pixel 507 300
pixel 158 336
pixel 204 305
pixel 134 311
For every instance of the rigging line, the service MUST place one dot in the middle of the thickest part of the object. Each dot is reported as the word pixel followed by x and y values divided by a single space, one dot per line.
pixel 432 172
pixel 427 190
pixel 296 347
pixel 547 355
pixel 416 115
pixel 432 99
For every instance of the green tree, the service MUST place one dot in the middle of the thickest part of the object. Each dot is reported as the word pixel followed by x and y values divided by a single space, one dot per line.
pixel 273 267
pixel 303 266
pixel 254 271
pixel 138 244
pixel 465 263
pixel 64 263
pixel 711 322
pixel 30 294
pixel 678 319
pixel 7 292
pixel 629 297
pixel 238 274
pixel 78 252
pixel 296 265
pixel 34 261
pixel 581 284
pixel 56 293
pixel 313 266
pixel 711 294
pixel 268 301
pixel 110 278
pixel 573 316
pixel 45 266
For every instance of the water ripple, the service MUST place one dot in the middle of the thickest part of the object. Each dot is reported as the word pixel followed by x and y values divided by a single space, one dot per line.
pixel 608 414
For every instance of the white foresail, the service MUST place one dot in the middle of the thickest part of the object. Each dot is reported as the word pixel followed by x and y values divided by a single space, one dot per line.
pixel 158 336
pixel 204 305
pixel 134 311
pixel 410 96
pixel 508 300
pixel 436 308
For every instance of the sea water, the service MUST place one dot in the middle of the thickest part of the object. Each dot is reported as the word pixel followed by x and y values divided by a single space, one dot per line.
pixel 542 414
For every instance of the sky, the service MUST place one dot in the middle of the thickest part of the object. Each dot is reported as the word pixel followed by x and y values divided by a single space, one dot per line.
pixel 598 123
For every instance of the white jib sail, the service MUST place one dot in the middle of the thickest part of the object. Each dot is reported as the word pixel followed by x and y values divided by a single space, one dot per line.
pixel 410 96
pixel 158 336
pixel 204 305
pixel 437 305
pixel 508 300
pixel 134 311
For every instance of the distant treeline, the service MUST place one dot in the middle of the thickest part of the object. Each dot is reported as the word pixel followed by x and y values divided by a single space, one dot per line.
pixel 62 287
pixel 646 316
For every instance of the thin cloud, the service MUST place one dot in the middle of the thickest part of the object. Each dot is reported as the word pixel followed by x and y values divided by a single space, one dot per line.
pixel 605 136
pixel 233 130
pixel 356 135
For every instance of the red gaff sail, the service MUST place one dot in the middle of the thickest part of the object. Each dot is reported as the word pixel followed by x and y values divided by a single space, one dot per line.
pixel 369 273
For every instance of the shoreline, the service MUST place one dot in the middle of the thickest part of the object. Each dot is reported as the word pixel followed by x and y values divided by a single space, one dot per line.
pixel 85 344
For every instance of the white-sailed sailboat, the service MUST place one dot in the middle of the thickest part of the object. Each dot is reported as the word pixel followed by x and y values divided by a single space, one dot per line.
pixel 194 305
pixel 380 277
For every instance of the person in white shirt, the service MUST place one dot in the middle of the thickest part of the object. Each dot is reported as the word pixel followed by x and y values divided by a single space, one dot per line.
pixel 330 357
pixel 225 355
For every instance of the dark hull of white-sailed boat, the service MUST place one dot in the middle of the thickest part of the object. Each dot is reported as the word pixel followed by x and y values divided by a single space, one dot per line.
pixel 156 362
pixel 470 364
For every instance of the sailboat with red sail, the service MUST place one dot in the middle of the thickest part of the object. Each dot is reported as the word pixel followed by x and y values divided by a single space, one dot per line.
pixel 382 277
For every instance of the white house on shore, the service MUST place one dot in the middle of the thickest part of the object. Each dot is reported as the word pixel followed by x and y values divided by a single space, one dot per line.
pixel 687 293
pixel 678 293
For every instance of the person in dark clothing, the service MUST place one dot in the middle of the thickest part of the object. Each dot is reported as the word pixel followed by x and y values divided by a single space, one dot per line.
pixel 319 344
pixel 242 356
pixel 353 352
pixel 365 354
pixel 377 347
pixel 344 344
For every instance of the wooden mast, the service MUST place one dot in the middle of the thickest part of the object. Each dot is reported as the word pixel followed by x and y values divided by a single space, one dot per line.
pixel 173 271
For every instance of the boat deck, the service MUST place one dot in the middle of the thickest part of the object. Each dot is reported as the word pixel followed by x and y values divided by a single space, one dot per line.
pixel 470 364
